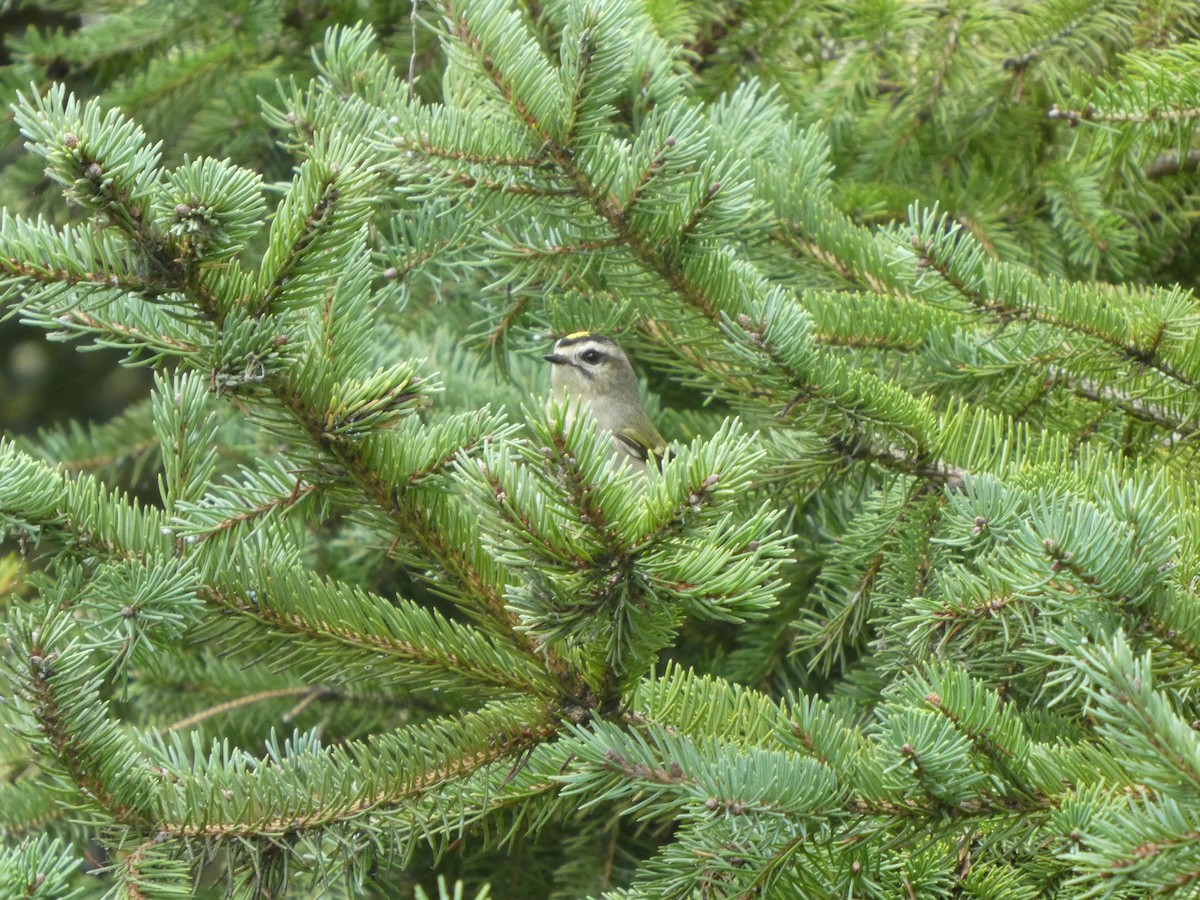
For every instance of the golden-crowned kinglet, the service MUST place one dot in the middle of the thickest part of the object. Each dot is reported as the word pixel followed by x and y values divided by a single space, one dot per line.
pixel 592 370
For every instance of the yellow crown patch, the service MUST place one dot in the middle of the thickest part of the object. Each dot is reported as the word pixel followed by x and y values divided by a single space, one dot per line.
pixel 576 335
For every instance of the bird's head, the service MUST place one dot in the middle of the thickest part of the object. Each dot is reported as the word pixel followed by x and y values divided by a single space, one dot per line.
pixel 590 366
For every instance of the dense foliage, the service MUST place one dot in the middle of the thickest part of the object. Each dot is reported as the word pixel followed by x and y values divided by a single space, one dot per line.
pixel 341 607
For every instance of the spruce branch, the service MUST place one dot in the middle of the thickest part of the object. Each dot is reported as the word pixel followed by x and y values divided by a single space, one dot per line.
pixel 306 692
pixel 94 758
pixel 847 583
pixel 1121 693
pixel 1089 113
pixel 39 869
pixel 31 804
pixel 319 221
pixel 981 465
pixel 609 570
pixel 253 512
pixel 494 736
pixel 158 798
pixel 1057 304
pixel 664 259
pixel 425 648
pixel 1178 425
pixel 1173 164
pixel 156 617
pixel 1047 32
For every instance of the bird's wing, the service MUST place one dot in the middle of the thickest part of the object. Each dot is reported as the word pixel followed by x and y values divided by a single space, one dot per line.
pixel 660 453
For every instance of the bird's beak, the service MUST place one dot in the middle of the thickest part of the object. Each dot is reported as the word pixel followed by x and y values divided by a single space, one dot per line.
pixel 554 359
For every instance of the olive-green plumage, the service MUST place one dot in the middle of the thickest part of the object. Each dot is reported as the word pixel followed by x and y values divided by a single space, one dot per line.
pixel 593 370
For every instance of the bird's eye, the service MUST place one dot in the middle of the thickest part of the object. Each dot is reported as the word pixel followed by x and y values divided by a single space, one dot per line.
pixel 590 356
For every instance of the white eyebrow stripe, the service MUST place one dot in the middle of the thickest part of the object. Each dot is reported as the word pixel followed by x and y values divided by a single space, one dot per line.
pixel 583 337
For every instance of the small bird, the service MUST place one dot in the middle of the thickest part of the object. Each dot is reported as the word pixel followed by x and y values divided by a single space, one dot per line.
pixel 592 369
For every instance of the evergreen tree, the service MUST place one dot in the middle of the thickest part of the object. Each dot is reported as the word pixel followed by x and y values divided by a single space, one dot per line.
pixel 190 72
pixel 342 608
